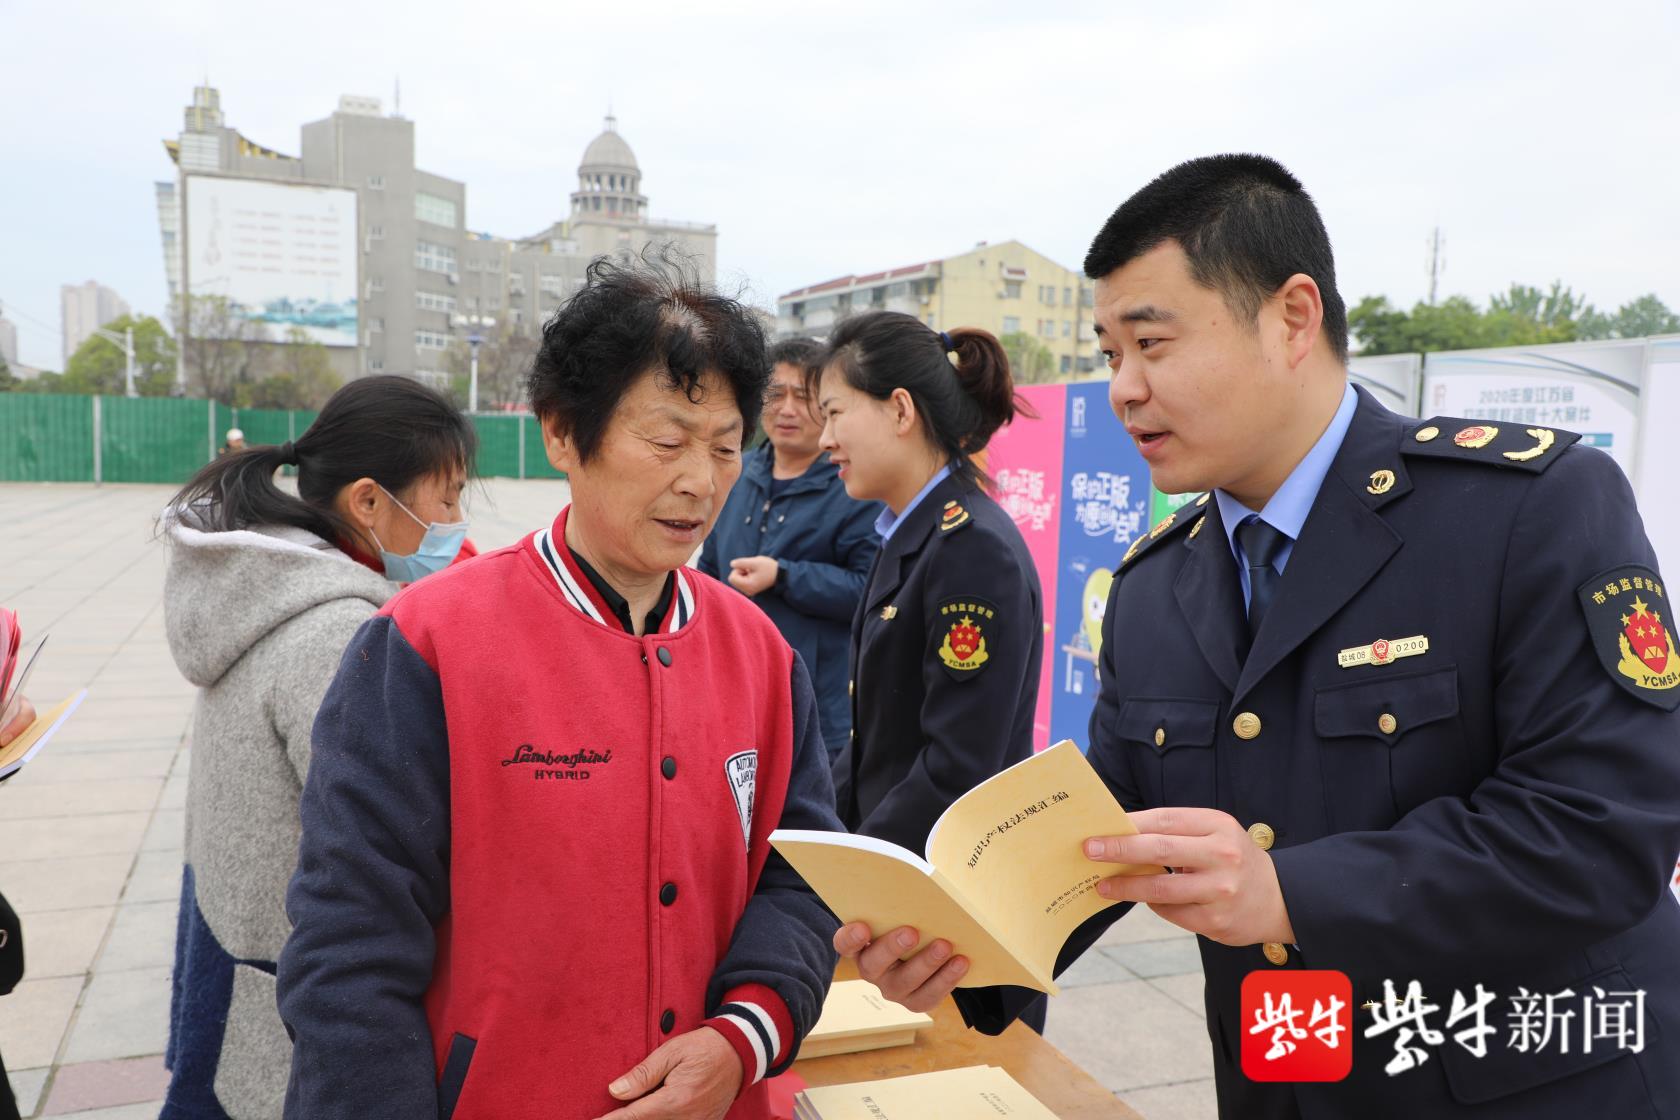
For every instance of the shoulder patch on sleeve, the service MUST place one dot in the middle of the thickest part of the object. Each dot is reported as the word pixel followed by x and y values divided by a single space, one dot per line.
pixel 1629 624
pixel 1496 445
pixel 1187 515
pixel 954 516
pixel 964 623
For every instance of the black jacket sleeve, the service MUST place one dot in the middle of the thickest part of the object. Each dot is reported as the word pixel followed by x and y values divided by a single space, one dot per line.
pixel 785 939
pixel 371 884
pixel 1572 836
pixel 990 1010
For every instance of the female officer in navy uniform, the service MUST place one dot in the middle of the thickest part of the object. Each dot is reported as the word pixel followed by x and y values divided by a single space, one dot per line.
pixel 947 639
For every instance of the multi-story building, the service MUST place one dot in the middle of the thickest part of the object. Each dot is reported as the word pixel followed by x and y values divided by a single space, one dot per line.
pixel 425 281
pixel 85 308
pixel 1006 288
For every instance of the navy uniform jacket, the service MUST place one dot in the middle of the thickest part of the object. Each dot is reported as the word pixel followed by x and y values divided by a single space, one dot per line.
pixel 945 663
pixel 1502 808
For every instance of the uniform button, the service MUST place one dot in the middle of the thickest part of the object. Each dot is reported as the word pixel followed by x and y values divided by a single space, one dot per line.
pixel 1246 725
pixel 668 767
pixel 1424 435
pixel 668 1021
pixel 851 688
pixel 1160 736
pixel 667 894
pixel 664 655
pixel 1386 723
pixel 1261 833
pixel 1276 953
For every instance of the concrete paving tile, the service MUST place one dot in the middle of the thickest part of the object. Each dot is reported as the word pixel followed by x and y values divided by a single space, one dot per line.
pixel 1188 1100
pixel 156 878
pixel 89 1085
pixel 26 1087
pixel 58 837
pixel 63 942
pixel 72 799
pixel 1129 1035
pixel 167 830
pixel 1186 988
pixel 37 1014
pixel 109 746
pixel 123 1015
pixel 147 1111
pixel 143 936
pixel 56 768
pixel 1140 924
pixel 1093 968
pixel 1158 958
pixel 64 884
pixel 174 793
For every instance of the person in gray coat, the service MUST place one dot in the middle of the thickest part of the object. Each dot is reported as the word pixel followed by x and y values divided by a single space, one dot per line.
pixel 791 539
pixel 262 593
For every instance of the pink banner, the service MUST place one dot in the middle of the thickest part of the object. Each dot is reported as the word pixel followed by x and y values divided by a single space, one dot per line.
pixel 1025 460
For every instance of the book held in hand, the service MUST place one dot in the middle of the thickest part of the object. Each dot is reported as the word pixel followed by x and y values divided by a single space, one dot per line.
pixel 30 741
pixel 855 1017
pixel 1005 881
pixel 970 1093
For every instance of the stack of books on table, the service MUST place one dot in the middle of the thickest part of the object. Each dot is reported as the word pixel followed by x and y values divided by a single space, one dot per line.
pixel 856 1016
pixel 971 1093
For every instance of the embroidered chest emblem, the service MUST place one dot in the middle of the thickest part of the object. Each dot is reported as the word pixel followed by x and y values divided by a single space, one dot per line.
pixel 741 771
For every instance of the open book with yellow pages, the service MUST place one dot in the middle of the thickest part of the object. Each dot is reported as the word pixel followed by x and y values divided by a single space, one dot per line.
pixel 1005 881
pixel 970 1093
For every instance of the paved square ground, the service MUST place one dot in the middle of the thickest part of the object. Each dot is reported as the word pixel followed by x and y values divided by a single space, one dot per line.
pixel 90 834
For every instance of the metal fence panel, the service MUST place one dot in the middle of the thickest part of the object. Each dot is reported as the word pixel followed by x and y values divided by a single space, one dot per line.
pixel 264 425
pixel 536 459
pixel 155 439
pixel 46 438
pixel 498 445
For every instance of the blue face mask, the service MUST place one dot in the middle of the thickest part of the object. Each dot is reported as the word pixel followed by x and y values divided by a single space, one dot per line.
pixel 437 550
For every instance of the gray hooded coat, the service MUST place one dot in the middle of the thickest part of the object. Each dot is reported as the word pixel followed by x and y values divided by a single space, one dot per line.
pixel 258 621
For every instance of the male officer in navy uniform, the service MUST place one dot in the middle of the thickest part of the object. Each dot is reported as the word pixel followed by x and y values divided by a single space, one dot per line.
pixel 1396 699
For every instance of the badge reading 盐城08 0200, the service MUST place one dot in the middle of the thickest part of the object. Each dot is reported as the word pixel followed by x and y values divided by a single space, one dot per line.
pixel 1383 651
pixel 1628 621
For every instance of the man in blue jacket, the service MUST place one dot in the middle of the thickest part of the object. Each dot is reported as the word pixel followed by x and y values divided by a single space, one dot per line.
pixel 791 540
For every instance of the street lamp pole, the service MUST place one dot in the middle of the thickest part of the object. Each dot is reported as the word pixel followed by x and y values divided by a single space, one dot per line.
pixel 473 341
pixel 125 342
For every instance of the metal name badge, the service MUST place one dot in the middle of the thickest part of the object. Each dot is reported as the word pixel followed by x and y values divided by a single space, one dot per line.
pixel 1383 651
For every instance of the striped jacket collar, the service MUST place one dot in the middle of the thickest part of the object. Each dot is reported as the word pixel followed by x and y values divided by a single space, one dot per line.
pixel 580 592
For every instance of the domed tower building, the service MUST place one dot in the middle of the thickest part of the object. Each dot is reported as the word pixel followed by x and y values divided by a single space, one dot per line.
pixel 609 215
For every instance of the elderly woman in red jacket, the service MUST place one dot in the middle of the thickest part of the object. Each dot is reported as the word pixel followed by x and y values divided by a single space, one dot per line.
pixel 535 877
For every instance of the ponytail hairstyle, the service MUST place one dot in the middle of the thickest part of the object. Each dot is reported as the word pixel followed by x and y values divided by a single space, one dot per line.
pixel 959 380
pixel 387 428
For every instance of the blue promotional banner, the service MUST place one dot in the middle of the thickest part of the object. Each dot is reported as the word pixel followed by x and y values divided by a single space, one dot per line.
pixel 1105 507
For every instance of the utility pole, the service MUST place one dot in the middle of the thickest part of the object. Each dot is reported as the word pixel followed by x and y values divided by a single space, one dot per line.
pixel 1437 261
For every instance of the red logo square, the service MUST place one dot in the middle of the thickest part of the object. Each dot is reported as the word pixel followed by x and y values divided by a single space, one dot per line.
pixel 1297 1025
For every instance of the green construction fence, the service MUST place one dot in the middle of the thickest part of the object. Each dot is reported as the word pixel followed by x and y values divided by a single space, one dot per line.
pixel 52 438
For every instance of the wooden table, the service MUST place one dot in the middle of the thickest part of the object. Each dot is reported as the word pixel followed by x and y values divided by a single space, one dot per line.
pixel 1043 1070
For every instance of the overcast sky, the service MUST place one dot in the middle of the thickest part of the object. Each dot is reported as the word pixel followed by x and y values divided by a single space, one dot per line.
pixel 1541 136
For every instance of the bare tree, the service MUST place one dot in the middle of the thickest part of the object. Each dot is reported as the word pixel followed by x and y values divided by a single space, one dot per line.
pixel 216 346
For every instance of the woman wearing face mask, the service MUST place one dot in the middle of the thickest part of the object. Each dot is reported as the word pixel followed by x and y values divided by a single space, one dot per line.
pixel 263 591
pixel 947 639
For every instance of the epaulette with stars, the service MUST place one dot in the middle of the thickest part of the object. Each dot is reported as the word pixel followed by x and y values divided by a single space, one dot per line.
pixel 1496 445
pixel 1188 515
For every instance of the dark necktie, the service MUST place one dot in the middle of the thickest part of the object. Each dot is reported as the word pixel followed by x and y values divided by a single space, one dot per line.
pixel 1261 545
